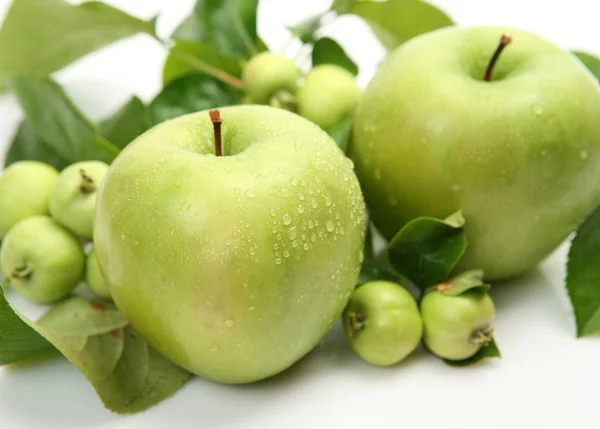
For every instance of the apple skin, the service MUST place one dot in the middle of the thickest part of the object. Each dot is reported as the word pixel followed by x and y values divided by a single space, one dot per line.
pixel 25 189
pixel 519 155
pixel 93 277
pixel 267 73
pixel 54 256
pixel 233 267
pixel 328 95
pixel 70 205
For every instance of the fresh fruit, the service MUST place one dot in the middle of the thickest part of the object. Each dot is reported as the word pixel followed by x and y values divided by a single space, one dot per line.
pixel 73 199
pixel 268 74
pixel 383 323
pixel 93 276
pixel 519 154
pixel 25 189
pixel 328 95
pixel 41 260
pixel 456 327
pixel 232 266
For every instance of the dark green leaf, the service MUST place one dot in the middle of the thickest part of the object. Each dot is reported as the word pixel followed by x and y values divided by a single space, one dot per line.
pixel 583 276
pixel 18 340
pixel 396 21
pixel 368 274
pixel 490 351
pixel 341 131
pixel 591 62
pixel 306 29
pixel 192 57
pixel 426 250
pixel 463 282
pixel 231 26
pixel 54 116
pixel 125 125
pixel 192 27
pixel 78 316
pixel 328 51
pixel 138 383
pixel 39 37
pixel 189 94
pixel 27 145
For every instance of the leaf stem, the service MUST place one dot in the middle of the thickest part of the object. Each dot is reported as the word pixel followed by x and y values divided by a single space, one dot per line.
pixel 208 69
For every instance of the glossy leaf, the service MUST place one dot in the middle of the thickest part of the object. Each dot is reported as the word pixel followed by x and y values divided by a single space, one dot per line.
pixel 343 6
pixel 583 276
pixel 328 51
pixel 426 249
pixel 126 124
pixel 187 57
pixel 189 94
pixel 396 21
pixel 341 131
pixel 490 351
pixel 54 116
pixel 463 282
pixel 18 340
pixel 192 27
pixel 27 145
pixel 40 37
pixel 591 62
pixel 305 30
pixel 231 26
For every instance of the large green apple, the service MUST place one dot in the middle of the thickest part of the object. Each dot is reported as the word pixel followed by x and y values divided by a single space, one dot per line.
pixel 519 154
pixel 232 266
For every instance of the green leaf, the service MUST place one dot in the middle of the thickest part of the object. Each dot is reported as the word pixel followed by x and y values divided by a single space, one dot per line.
pixel 396 21
pixel 490 351
pixel 40 37
pixel 343 6
pixel 306 29
pixel 192 27
pixel 18 340
pixel 328 51
pixel 583 276
pixel 426 249
pixel 590 61
pixel 78 316
pixel 189 94
pixel 27 145
pixel 463 282
pixel 340 132
pixel 187 57
pixel 54 116
pixel 127 374
pixel 231 26
pixel 369 274
pixel 126 124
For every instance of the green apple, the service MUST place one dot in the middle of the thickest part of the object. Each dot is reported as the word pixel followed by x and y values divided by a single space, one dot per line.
pixel 41 260
pixel 232 266
pixel 519 154
pixel 93 276
pixel 269 75
pixel 382 322
pixel 25 189
pixel 73 198
pixel 328 95
pixel 456 327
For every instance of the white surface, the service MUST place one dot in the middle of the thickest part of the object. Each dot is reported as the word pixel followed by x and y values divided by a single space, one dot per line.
pixel 546 379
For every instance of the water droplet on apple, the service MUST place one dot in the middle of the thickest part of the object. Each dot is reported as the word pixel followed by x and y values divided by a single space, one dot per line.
pixel 306 246
pixel 214 348
pixel 286 254
pixel 543 153
pixel 250 193
pixel 123 236
pixel 377 174
pixel 244 285
pixel 300 209
pixel 277 261
pixel 284 190
pixel 537 109
pixel 292 233
pixel 583 155
pixel 313 237
pixel 252 308
pixel 287 219
pixel 329 226
pixel 294 243
pixel 327 201
pixel 185 206
pixel 313 203
pixel 178 183
pixel 456 188
pixel 294 181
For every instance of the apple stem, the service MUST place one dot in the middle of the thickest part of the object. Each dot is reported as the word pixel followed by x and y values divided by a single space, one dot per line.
pixel 482 336
pixel 23 271
pixel 357 321
pixel 215 117
pixel 87 185
pixel 504 42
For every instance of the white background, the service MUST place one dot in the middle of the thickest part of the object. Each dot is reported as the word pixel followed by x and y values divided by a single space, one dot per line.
pixel 546 379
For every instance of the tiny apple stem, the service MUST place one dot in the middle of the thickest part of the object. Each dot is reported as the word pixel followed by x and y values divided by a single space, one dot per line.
pixel 215 117
pixel 22 272
pixel 482 336
pixel 357 321
pixel 504 42
pixel 87 185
